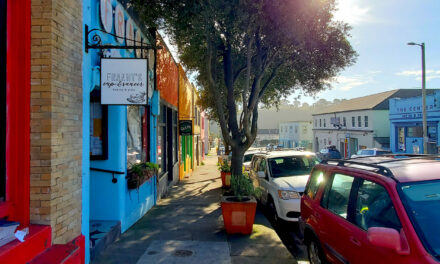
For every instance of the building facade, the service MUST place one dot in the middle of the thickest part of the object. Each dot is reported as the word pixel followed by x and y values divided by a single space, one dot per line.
pixel 186 109
pixel 296 134
pixel 41 182
pixel 357 123
pixel 406 124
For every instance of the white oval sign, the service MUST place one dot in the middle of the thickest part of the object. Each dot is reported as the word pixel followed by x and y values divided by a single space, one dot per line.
pixel 119 23
pixel 106 15
pixel 130 33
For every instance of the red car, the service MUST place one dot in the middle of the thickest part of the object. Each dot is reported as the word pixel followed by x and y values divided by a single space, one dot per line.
pixel 373 210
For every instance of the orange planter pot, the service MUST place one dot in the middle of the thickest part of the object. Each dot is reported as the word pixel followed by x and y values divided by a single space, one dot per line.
pixel 226 179
pixel 238 217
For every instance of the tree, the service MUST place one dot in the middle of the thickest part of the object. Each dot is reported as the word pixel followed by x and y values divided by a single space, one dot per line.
pixel 252 52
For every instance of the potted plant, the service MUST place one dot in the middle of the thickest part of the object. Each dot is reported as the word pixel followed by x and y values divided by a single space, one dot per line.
pixel 225 173
pixel 239 206
pixel 140 173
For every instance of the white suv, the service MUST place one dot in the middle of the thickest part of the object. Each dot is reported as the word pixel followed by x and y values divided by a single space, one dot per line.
pixel 282 177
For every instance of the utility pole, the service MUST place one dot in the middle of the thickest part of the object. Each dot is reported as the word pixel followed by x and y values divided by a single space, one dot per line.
pixel 425 125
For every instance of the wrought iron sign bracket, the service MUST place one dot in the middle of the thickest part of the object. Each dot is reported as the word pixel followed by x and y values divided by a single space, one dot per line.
pixel 97 42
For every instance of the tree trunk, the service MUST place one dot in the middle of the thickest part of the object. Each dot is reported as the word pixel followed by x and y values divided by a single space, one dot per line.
pixel 237 160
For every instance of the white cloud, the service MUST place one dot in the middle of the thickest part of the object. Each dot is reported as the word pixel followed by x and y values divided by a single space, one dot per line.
pixel 346 83
pixel 351 12
pixel 430 74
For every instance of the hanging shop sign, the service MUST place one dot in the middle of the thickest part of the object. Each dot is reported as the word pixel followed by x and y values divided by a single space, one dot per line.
pixel 185 127
pixel 124 81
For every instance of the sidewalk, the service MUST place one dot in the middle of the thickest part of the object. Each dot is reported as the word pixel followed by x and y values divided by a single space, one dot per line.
pixel 187 227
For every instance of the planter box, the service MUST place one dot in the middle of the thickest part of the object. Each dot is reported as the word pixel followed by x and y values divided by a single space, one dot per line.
pixel 238 217
pixel 226 179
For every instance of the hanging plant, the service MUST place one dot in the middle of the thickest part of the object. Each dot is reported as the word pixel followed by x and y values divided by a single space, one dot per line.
pixel 140 173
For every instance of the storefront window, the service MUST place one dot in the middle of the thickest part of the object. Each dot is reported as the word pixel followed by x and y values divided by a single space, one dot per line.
pixel 175 152
pixel 414 132
pixel 401 135
pixel 98 128
pixel 161 140
pixel 134 134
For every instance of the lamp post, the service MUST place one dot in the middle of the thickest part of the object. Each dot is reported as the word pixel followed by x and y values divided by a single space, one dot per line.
pixel 425 129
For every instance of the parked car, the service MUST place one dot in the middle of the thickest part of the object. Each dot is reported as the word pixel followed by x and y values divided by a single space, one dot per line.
pixel 373 210
pixel 282 176
pixel 329 152
pixel 247 158
pixel 370 152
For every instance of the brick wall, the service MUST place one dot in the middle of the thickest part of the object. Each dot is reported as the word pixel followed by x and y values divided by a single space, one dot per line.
pixel 56 111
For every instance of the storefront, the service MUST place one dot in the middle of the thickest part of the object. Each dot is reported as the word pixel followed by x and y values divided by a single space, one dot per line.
pixel 167 141
pixel 185 124
pixel 406 121
pixel 122 118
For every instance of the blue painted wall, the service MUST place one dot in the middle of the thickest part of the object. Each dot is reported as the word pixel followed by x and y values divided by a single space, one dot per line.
pixel 408 113
pixel 102 199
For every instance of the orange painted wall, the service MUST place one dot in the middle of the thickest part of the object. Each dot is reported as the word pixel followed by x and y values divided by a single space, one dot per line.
pixel 185 96
pixel 167 74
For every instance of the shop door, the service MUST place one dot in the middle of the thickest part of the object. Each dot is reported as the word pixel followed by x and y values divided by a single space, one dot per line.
pixel 414 145
pixel 353 146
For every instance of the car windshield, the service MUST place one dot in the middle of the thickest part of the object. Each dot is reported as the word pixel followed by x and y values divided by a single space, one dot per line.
pixel 248 157
pixel 367 152
pixel 292 165
pixel 382 152
pixel 422 202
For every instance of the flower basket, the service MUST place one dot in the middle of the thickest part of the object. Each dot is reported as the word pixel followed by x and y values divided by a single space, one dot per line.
pixel 139 173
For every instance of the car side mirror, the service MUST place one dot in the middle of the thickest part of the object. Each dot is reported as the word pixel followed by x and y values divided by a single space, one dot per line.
pixel 388 238
pixel 261 174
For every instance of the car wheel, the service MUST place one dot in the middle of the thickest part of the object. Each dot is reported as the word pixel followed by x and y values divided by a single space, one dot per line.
pixel 316 255
pixel 272 211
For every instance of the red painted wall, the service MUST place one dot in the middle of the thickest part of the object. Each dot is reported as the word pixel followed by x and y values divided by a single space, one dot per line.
pixel 18 110
pixel 167 74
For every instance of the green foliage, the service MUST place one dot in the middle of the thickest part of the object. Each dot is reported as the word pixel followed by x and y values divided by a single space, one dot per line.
pixel 203 163
pixel 242 186
pixel 249 53
pixel 224 167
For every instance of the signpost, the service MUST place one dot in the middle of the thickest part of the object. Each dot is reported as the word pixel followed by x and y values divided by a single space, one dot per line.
pixel 124 81
pixel 185 127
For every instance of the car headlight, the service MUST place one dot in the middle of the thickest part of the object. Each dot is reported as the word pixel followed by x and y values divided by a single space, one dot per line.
pixel 287 195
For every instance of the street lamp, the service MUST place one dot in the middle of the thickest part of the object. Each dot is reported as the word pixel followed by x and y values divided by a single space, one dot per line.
pixel 425 129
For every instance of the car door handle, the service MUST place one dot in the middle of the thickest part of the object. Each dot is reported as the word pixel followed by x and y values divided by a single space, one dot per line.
pixel 355 241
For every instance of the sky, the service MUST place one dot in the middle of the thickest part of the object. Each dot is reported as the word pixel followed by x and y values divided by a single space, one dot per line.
pixel 380 33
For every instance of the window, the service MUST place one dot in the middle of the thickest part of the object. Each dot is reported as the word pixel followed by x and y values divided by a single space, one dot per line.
pixel 313 185
pixel 320 122
pixel 316 122
pixel 98 128
pixel 175 151
pixel 366 121
pixel 336 195
pixel 135 152
pixel 291 128
pixel 324 123
pixel 262 165
pixel 414 132
pixel 296 129
pixel 291 165
pixel 359 121
pixel 344 121
pixel 161 139
pixel 374 207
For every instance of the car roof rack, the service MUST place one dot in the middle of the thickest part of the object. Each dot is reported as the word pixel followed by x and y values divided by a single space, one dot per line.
pixel 380 169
